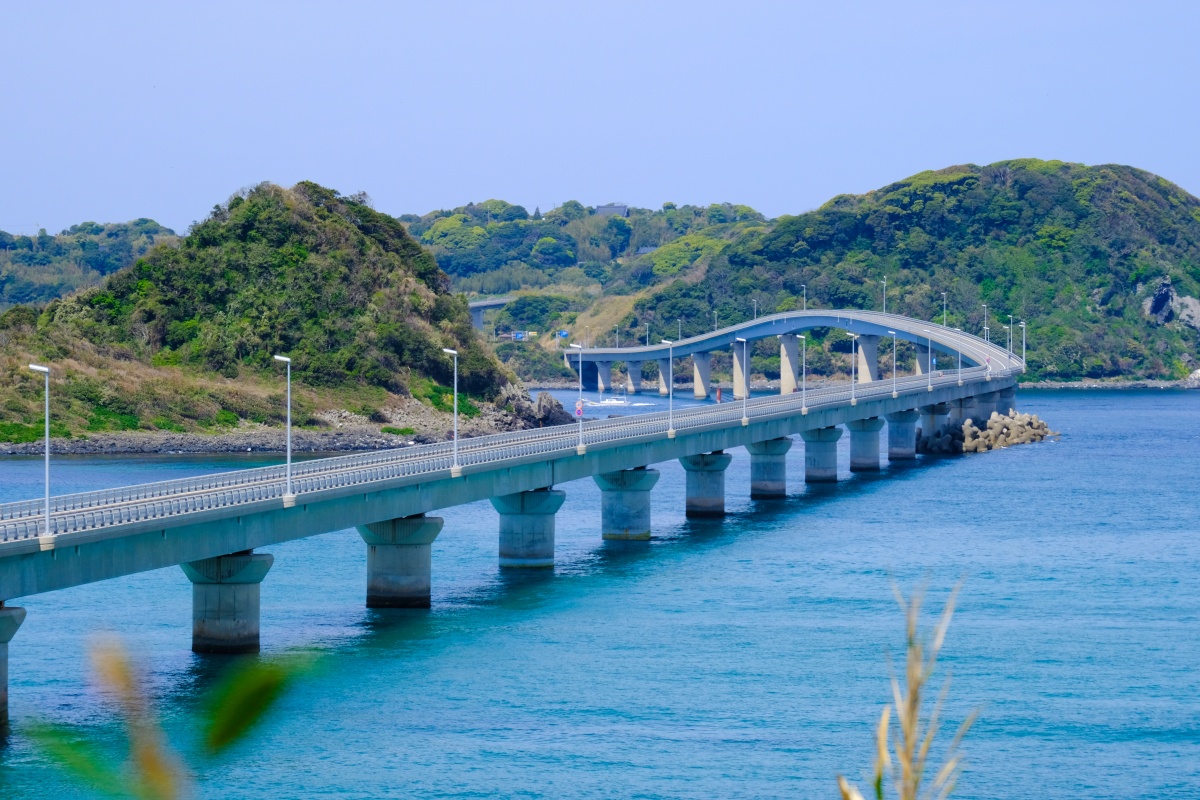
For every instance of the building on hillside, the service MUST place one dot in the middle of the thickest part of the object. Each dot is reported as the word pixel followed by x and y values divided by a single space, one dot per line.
pixel 612 210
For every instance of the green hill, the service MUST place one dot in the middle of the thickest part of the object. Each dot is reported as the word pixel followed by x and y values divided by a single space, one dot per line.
pixel 1103 263
pixel 362 309
pixel 37 269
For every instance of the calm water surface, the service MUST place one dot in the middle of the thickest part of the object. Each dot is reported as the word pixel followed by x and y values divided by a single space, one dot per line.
pixel 737 659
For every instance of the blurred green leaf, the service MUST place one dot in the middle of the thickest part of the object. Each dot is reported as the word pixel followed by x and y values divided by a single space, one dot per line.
pixel 80 758
pixel 244 697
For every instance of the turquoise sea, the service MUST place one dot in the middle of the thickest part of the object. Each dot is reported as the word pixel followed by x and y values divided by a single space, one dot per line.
pixel 745 658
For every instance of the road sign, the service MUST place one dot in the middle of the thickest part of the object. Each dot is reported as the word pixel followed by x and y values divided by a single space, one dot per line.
pixel 564 334
pixel 518 336
pixel 579 408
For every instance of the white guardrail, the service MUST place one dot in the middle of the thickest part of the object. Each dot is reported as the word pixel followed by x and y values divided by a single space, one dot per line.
pixel 91 510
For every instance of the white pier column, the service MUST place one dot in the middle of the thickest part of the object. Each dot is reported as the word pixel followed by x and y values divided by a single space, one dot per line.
pixel 633 380
pixel 664 375
pixel 625 503
pixel 922 359
pixel 820 454
pixel 902 435
pixel 701 374
pixel 739 370
pixel 225 601
pixel 789 363
pixel 706 483
pixel 527 527
pixel 399 561
pixel 603 376
pixel 11 618
pixel 868 358
pixel 768 467
pixel 864 444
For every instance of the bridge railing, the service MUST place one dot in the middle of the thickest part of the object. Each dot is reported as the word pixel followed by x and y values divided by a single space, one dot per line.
pixel 90 510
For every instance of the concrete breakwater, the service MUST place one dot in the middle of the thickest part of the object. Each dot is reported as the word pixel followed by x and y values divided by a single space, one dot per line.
pixel 1000 430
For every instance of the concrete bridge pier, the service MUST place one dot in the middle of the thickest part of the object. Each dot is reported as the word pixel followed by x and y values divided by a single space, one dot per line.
pixel 527 527
pixel 633 379
pixel 868 358
pixel 986 403
pixel 933 417
pixel 399 561
pixel 790 365
pixel 625 503
pixel 603 376
pixel 740 369
pixel 706 483
pixel 768 467
pixel 1008 399
pixel 664 375
pixel 902 435
pixel 923 356
pixel 701 374
pixel 11 618
pixel 864 444
pixel 820 454
pixel 225 601
pixel 964 409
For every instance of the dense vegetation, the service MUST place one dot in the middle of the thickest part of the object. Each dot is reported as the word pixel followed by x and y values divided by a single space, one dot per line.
pixel 1102 262
pixel 344 290
pixel 37 269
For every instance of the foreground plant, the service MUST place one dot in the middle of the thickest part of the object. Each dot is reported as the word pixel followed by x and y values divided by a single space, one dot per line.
pixel 911 738
pixel 155 771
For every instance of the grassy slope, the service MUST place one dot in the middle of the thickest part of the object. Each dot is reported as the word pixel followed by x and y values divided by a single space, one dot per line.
pixel 184 339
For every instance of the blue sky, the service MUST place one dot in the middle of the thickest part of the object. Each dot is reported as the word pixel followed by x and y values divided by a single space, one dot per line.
pixel 115 111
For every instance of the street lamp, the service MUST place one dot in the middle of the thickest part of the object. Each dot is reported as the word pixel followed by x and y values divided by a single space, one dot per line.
pixel 943 309
pixel 1010 322
pixel 853 363
pixel 985 327
pixel 1022 324
pixel 455 469
pixel 670 388
pixel 803 374
pixel 714 319
pixel 885 294
pixel 755 301
pixel 929 357
pixel 289 493
pixel 894 392
pixel 579 404
pixel 46 374
pixel 804 286
pixel 680 336
pixel 960 383
pixel 647 334
pixel 745 380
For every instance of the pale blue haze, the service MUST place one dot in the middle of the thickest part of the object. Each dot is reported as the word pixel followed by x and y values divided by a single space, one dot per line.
pixel 739 659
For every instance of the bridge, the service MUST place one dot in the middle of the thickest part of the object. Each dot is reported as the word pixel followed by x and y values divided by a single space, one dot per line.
pixel 210 526
pixel 477 308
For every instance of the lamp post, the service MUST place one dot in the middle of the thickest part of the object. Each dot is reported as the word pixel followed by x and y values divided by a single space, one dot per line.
pixel 670 388
pixel 455 469
pixel 755 301
pixel 745 380
pixel 804 373
pixel 804 286
pixel 929 357
pixel 943 309
pixel 1010 332
pixel 985 327
pixel 714 319
pixel 579 405
pixel 647 334
pixel 45 371
pixel 1022 324
pixel 959 361
pixel 288 361
pixel 853 363
pixel 894 392
pixel 885 294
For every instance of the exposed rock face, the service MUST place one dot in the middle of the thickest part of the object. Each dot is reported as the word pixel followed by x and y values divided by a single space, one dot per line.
pixel 1166 305
pixel 539 413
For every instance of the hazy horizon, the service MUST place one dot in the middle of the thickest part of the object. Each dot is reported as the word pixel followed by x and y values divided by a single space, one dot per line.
pixel 162 112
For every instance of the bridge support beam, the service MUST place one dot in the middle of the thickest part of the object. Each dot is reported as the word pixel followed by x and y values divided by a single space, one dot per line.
pixel 603 376
pixel 399 561
pixel 633 378
pixel 706 483
pixel 625 503
pixel 868 358
pixel 933 417
pixel 225 601
pixel 740 369
pixel 820 454
pixel 701 375
pixel 1008 400
pixel 922 359
pixel 986 403
pixel 527 527
pixel 664 375
pixel 864 444
pixel 789 363
pixel 11 618
pixel 902 435
pixel 964 409
pixel 768 467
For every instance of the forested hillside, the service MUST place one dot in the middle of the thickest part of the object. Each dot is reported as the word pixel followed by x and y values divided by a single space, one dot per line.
pixel 362 309
pixel 1103 263
pixel 37 269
